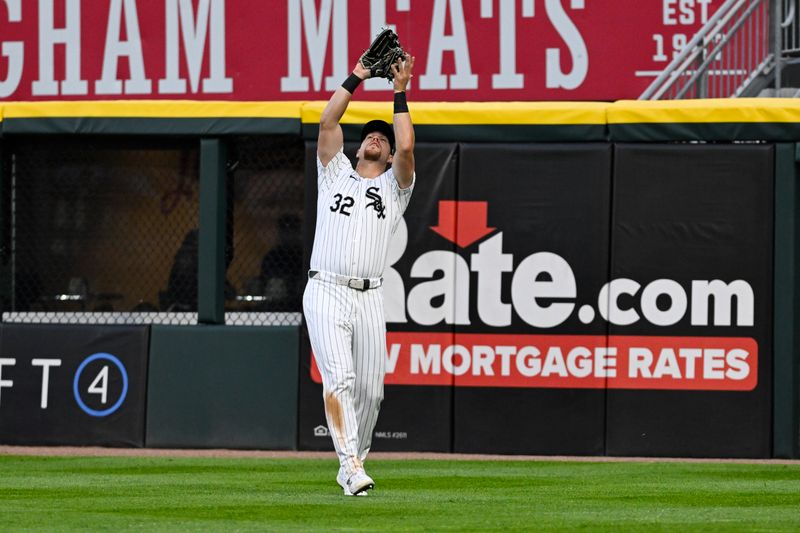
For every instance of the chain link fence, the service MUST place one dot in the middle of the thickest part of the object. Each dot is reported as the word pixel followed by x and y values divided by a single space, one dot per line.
pixel 100 230
pixel 266 191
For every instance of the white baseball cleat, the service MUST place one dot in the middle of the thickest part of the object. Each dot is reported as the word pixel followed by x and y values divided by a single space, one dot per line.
pixel 356 485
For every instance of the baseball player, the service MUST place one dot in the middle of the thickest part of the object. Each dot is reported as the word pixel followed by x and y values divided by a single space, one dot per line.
pixel 358 210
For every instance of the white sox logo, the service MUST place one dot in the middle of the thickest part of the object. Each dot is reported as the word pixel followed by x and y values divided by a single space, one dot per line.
pixel 377 201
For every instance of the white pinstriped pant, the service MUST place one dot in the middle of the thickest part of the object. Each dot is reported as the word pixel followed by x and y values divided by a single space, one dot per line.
pixel 348 336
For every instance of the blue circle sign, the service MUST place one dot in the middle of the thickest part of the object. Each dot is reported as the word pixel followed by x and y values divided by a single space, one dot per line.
pixel 76 392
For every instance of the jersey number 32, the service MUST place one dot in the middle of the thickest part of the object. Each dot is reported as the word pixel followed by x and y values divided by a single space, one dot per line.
pixel 343 203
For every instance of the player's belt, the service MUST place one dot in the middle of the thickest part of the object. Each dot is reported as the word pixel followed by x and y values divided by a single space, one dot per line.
pixel 359 284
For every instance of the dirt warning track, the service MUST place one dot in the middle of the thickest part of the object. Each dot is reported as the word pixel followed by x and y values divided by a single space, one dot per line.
pixel 80 451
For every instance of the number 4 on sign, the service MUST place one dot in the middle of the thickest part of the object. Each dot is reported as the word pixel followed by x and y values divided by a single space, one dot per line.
pixel 100 385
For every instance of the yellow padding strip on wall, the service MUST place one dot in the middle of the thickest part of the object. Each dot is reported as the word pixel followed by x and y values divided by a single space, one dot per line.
pixel 471 113
pixel 732 110
pixel 152 109
pixel 739 110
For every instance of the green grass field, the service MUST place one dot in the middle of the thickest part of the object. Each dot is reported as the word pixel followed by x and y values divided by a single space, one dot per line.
pixel 207 494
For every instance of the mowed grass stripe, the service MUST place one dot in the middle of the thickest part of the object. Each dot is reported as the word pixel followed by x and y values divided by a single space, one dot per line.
pixel 208 494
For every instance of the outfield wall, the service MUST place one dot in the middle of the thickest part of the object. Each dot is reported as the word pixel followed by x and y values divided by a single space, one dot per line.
pixel 584 278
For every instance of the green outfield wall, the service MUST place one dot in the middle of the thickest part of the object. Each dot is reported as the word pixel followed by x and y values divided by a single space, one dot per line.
pixel 664 200
pixel 222 387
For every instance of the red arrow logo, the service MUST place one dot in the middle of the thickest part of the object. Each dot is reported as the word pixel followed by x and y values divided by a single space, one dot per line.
pixel 462 222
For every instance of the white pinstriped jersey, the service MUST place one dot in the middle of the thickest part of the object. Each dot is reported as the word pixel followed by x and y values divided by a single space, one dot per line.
pixel 356 218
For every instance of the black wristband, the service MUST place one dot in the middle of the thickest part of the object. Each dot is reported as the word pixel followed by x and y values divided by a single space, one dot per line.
pixel 351 83
pixel 400 104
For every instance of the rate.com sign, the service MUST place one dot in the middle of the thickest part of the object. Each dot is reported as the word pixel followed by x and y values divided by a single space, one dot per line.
pixel 304 49
pixel 583 266
pixel 543 291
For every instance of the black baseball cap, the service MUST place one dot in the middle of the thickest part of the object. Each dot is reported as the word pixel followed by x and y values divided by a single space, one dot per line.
pixel 381 127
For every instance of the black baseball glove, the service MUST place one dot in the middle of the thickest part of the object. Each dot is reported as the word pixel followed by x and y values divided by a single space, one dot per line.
pixel 384 51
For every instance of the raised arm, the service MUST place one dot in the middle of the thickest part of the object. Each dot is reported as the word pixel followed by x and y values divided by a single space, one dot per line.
pixel 403 160
pixel 330 138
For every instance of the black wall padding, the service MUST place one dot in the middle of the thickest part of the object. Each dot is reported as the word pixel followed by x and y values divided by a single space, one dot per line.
pixel 543 198
pixel 694 212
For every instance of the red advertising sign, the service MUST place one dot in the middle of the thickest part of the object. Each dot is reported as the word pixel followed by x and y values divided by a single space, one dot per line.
pixel 570 361
pixel 481 50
